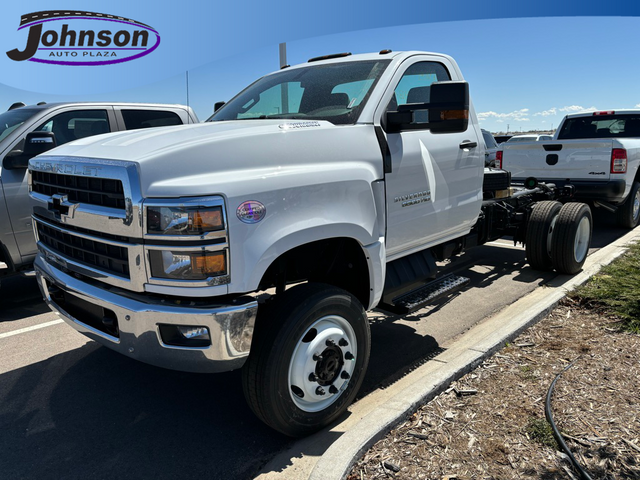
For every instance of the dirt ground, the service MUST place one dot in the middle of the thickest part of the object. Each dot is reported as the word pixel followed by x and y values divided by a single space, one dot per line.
pixel 491 423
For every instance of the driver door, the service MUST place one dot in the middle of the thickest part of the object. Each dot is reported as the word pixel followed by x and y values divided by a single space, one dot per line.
pixel 434 189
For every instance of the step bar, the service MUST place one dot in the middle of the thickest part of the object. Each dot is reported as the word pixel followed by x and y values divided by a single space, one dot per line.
pixel 426 294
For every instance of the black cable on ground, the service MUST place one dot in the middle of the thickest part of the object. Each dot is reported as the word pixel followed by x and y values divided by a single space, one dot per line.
pixel 556 432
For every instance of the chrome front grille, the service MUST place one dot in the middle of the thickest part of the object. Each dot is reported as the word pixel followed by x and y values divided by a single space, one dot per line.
pixel 95 195
pixel 104 192
pixel 109 258
pixel 88 221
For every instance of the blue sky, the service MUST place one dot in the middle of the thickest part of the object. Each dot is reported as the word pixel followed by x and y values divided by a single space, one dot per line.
pixel 525 73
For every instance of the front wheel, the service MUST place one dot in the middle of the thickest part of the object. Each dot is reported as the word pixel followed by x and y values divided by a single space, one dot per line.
pixel 308 358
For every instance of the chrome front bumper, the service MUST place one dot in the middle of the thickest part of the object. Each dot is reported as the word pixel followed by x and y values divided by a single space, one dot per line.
pixel 230 325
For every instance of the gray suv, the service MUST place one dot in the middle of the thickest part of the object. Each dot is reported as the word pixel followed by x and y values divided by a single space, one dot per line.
pixel 62 122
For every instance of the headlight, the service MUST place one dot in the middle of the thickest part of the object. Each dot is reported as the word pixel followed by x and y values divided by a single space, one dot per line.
pixel 187 265
pixel 183 220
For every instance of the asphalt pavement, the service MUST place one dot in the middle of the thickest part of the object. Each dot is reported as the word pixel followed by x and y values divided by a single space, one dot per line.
pixel 72 409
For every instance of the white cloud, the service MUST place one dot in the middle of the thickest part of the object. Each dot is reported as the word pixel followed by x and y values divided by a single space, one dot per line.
pixel 517 115
pixel 546 113
pixel 524 115
pixel 566 109
pixel 576 109
pixel 638 105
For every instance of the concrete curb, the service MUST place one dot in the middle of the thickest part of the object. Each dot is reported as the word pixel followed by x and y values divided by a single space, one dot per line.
pixel 469 351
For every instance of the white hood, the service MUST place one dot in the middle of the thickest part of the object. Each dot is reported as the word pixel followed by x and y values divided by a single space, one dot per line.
pixel 211 158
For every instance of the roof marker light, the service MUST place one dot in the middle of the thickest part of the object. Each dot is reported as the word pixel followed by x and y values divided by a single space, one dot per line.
pixel 328 57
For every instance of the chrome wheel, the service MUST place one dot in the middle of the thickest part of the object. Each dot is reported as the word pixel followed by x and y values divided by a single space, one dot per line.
pixel 322 363
pixel 583 237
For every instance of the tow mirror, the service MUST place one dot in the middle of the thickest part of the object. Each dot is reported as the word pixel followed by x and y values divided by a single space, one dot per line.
pixel 446 112
pixel 14 160
pixel 217 106
pixel 35 144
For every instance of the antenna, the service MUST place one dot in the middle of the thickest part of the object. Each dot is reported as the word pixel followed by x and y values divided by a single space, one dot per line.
pixel 189 117
pixel 283 54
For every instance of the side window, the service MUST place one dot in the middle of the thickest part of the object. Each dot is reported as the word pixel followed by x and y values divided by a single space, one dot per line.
pixel 134 119
pixel 70 126
pixel 415 85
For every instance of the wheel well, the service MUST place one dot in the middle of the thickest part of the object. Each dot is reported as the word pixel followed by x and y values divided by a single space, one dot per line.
pixel 335 261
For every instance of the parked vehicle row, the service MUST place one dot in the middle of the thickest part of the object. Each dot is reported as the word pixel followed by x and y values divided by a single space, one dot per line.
pixel 596 152
pixel 492 145
pixel 527 138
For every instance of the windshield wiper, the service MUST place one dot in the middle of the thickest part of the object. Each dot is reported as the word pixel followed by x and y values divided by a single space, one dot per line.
pixel 261 117
pixel 279 116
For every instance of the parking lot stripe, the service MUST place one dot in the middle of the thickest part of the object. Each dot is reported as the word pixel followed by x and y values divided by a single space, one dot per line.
pixel 29 329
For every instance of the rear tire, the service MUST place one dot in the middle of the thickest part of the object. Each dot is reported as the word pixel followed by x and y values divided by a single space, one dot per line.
pixel 628 214
pixel 571 238
pixel 539 234
pixel 308 358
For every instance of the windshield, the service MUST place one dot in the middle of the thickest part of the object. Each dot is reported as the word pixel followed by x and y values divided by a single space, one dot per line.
pixel 600 126
pixel 335 92
pixel 12 119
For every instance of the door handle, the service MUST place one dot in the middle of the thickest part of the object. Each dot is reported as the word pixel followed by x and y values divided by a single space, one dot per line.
pixel 468 144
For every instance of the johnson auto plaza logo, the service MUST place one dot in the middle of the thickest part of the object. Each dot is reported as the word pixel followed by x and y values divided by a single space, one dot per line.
pixel 67 37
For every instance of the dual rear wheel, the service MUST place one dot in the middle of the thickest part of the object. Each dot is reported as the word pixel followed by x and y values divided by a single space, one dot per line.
pixel 558 236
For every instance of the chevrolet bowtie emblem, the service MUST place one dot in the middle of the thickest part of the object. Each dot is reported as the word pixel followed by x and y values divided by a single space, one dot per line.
pixel 60 205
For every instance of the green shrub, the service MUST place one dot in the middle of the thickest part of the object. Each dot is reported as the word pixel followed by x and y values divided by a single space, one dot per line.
pixel 616 290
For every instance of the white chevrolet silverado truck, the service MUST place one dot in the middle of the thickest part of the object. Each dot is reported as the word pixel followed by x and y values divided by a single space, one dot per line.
pixel 597 152
pixel 260 238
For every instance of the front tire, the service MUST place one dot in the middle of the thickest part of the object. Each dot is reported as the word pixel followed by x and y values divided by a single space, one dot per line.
pixel 628 214
pixel 308 358
pixel 571 238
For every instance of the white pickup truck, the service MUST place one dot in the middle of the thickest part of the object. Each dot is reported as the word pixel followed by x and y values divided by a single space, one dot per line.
pixel 333 186
pixel 597 152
